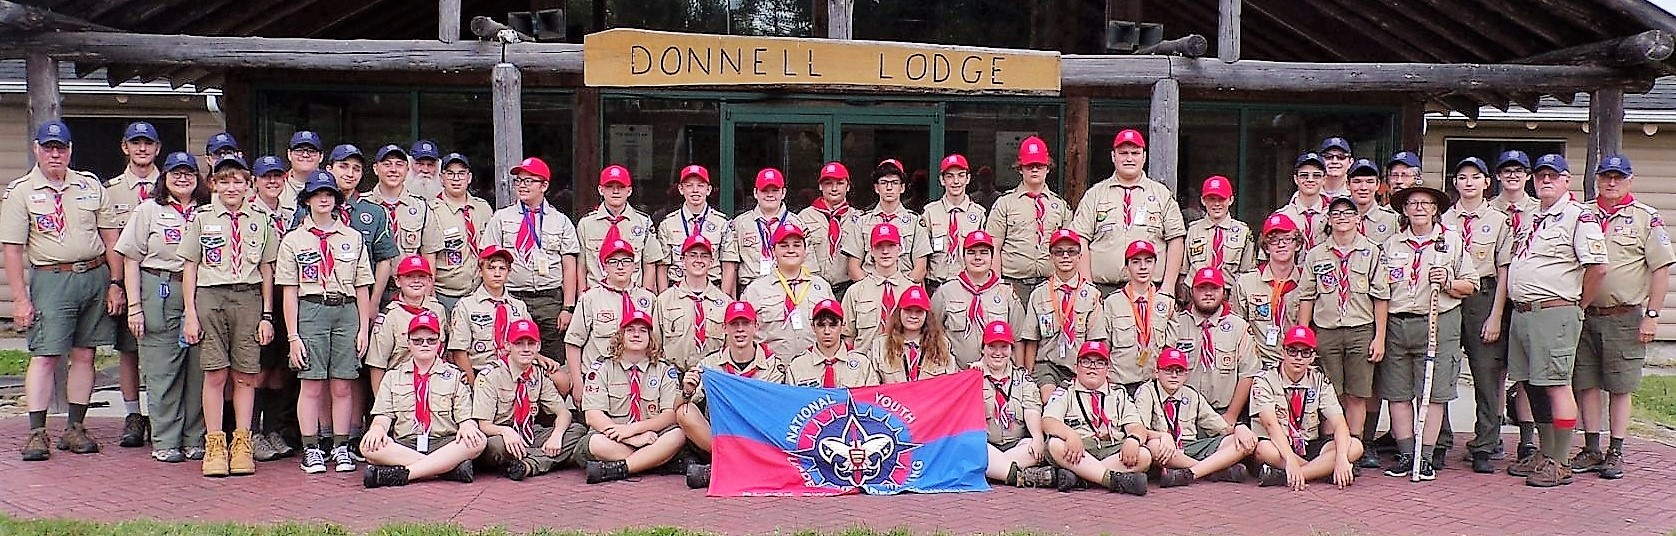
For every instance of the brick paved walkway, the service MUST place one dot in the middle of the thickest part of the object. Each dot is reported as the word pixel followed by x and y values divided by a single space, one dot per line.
pixel 126 484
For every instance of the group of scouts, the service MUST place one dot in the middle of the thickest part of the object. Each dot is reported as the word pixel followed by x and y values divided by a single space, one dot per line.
pixel 417 330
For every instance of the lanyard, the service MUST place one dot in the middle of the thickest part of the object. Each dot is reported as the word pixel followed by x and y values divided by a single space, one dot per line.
pixel 794 297
pixel 696 225
pixel 766 231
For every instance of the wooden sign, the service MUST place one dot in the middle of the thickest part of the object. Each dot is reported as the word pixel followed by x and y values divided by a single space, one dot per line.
pixel 640 58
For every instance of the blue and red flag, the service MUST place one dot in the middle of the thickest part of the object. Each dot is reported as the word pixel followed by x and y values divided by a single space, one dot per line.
pixel 925 436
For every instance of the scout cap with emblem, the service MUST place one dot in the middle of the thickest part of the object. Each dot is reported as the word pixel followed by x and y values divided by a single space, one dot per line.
pixel 615 174
pixel 305 138
pixel 1129 136
pixel 1209 277
pixel 637 316
pixel 179 159
pixel 268 164
pixel 1362 167
pixel 414 264
pixel 424 149
pixel 739 310
pixel 534 166
pixel 390 150
pixel 1279 223
pixel 1473 162
pixel 952 161
pixel 1513 156
pixel 977 238
pixel 1171 358
pixel 52 132
pixel 1334 142
pixel 229 160
pixel 1339 202
pixel 834 171
pixel 1407 158
pixel 697 241
pixel 883 233
pixel 1552 161
pixel 1064 235
pixel 998 332
pixel 828 306
pixel 1138 248
pixel 141 130
pixel 1615 163
pixel 770 178
pixel 914 297
pixel 613 247
pixel 523 329
pixel 1033 151
pixel 889 166
pixel 1309 158
pixel 455 158
pixel 1401 197
pixel 345 152
pixel 1096 349
pixel 786 231
pixel 493 251
pixel 320 180
pixel 1300 336
pixel 694 170
pixel 221 142
pixel 1217 187
pixel 424 320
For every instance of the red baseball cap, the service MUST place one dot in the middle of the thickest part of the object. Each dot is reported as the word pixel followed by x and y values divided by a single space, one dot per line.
pixel 414 264
pixel 1138 247
pixel 884 233
pixel 697 241
pixel 770 177
pixel 834 171
pixel 424 320
pixel 1063 235
pixel 615 174
pixel 894 163
pixel 953 161
pixel 1170 357
pixel 998 331
pixel 1209 276
pixel 914 296
pixel 613 247
pixel 1300 336
pixel 787 230
pixel 828 306
pixel 694 170
pixel 534 166
pixel 1129 136
pixel 521 329
pixel 1032 151
pixel 637 316
pixel 979 237
pixel 739 310
pixel 1098 348
pixel 1279 223
pixel 492 251
pixel 1217 186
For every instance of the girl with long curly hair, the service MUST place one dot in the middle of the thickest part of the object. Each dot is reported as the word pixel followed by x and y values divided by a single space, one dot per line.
pixel 913 347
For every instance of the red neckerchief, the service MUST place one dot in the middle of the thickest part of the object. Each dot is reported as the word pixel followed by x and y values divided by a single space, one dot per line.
pixel 1420 247
pixel 834 221
pixel 1041 213
pixel 635 414
pixel 974 312
pixel 1343 275
pixel 912 360
pixel 1216 241
pixel 1066 312
pixel 523 416
pixel 327 262
pixel 1003 388
pixel 422 398
pixel 1607 213
pixel 471 227
pixel 1141 307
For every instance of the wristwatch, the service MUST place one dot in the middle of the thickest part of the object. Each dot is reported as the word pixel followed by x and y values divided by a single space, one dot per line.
pixel 1652 313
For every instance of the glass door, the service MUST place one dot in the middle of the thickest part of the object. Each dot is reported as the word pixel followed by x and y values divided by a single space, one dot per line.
pixel 799 139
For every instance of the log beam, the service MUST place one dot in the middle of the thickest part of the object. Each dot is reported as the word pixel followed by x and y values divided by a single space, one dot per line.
pixel 1645 48
pixel 29 19
pixel 507 86
pixel 1228 30
pixel 1163 133
pixel 1606 132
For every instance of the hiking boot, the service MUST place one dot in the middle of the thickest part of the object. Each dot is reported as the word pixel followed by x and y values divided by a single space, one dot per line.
pixel 1401 466
pixel 168 455
pixel 378 476
pixel 1383 443
pixel 1269 476
pixel 1370 459
pixel 261 449
pixel 1175 477
pixel 1427 472
pixel 1526 465
pixel 35 449
pixel 1068 480
pixel 598 471
pixel 1439 457
pixel 677 465
pixel 516 470
pixel 1612 466
pixel 1548 474
pixel 193 452
pixel 77 440
pixel 1481 463
pixel 698 475
pixel 215 454
pixel 1586 461
pixel 1037 477
pixel 1235 473
pixel 314 460
pixel 240 460
pixel 341 460
pixel 1127 483
pixel 460 473
pixel 135 430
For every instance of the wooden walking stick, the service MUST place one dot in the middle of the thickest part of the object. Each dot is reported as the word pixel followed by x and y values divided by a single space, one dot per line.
pixel 1425 394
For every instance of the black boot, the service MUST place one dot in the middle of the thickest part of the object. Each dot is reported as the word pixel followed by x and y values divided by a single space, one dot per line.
pixel 1067 480
pixel 460 473
pixel 515 470
pixel 1128 483
pixel 614 470
pixel 378 476
pixel 698 475
pixel 1175 477
pixel 1481 463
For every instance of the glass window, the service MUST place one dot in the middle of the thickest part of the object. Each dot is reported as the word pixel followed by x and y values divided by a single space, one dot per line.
pixel 988 134
pixel 98 138
pixel 363 118
pixel 655 138
pixel 1489 149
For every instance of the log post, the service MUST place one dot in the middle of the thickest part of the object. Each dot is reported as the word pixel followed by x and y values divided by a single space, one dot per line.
pixel 508 104
pixel 585 149
pixel 45 103
pixel 1606 132
pixel 1164 129
pixel 840 19
pixel 1076 154
pixel 448 20
pixel 1228 30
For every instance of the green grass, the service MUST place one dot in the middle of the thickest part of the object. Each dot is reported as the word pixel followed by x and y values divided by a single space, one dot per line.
pixel 15 362
pixel 1655 401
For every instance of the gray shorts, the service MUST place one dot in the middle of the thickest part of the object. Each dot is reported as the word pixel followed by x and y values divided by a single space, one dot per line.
pixel 69 311
pixel 1405 357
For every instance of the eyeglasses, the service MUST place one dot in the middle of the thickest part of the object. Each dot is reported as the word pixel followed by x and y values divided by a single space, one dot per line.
pixel 1612 177
pixel 1420 203
pixel 1335 156
pixel 423 341
pixel 1312 175
pixel 1173 371
pixel 619 261
pixel 527 181
pixel 182 174
pixel 696 255
pixel 1305 353
pixel 1341 213
pixel 889 182
pixel 1511 170
pixel 306 151
pixel 455 174
pixel 1280 240
pixel 1402 174
pixel 1065 252
pixel 1093 362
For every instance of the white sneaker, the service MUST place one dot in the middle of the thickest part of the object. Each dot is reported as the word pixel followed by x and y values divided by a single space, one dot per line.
pixel 340 456
pixel 314 460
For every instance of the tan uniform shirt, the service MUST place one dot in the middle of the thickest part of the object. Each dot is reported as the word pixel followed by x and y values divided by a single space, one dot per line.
pixel 208 241
pixel 1081 409
pixel 388 347
pixel 916 242
pixel 415 228
pixel 751 244
pixel 906 370
pixel 608 387
pixel 56 224
pixel 494 394
pixel 1518 214
pixel 633 226
pixel 1406 265
pixel 1487 235
pixel 1636 245
pixel 471 325
pixel 1021 235
pixel 677 312
pixel 1378 224
pixel 1311 220
pixel 1195 418
pixel 948 259
pixel 826 258
pixel 787 331
pixel 1343 282
pixel 1134 347
pixel 764 365
pixel 599 315
pixel 127 192
pixel 711 223
pixel 849 369
pixel 1270 306
pixel 153 236
pixel 302 264
pixel 964 323
pixel 865 314
pixel 1235 247
pixel 1271 391
pixel 1108 225
pixel 1551 252
pixel 1049 315
pixel 1220 350
pixel 445 390
pixel 1006 400
pixel 282 217
pixel 542 266
pixel 462 231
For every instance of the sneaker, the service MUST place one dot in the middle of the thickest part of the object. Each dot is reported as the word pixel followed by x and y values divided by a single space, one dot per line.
pixel 36 448
pixel 168 455
pixel 282 448
pixel 314 460
pixel 354 450
pixel 193 452
pixel 1175 477
pixel 1370 459
pixel 1587 461
pixel 341 459
pixel 1612 466
pixel 1403 464
pixel 1269 476
pixel 262 449
pixel 1526 465
pixel 378 476
pixel 135 430
pixel 1427 472
pixel 460 473
pixel 1126 483
pixel 1481 463
pixel 77 440
pixel 1235 473
pixel 1548 474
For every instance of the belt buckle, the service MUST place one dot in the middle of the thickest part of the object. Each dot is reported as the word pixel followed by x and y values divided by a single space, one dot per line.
pixel 80 267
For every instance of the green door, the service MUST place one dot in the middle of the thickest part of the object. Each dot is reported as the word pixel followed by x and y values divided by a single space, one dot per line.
pixel 799 139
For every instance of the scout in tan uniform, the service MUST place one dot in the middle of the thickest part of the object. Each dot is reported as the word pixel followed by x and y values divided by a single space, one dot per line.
pixel 1218 240
pixel 1268 296
pixel 1304 436
pixel 629 405
pixel 1221 343
pixel 751 251
pixel 327 308
pixel 1093 428
pixel 696 217
pixel 614 219
pixel 1489 240
pixel 1623 317
pixel 304 153
pixel 1421 258
pixel 1189 438
pixel 477 324
pixel 949 220
pixel 1335 153
pixel 827 220
pixel 912 347
pixel 786 297
pixel 544 246
pixel 173 376
pixel 871 299
pixel 1065 312
pixel 1127 207
pixel 408 213
pixel 425 175
pixel 689 312
pixel 421 416
pixel 1513 172
pixel 601 309
pixel 1402 171
pixel 1308 206
pixel 1013 414
pixel 1022 219
pixel 462 218
pixel 415 295
pixel 505 401
pixel 1374 221
pixel 742 356
pixel 974 298
pixel 1137 318
pixel 831 363
pixel 276 386
pixel 141 147
pixel 228 250
pixel 1559 260
pixel 58 222
pixel 1345 298
pixel 888 181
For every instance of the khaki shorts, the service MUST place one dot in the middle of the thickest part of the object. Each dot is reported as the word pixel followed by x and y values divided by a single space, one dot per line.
pixel 1342 353
pixel 1203 447
pixel 1052 374
pixel 230 321
pixel 1610 353
pixel 578 438
pixel 1006 443
pixel 1404 366
pixel 435 443
pixel 328 333
pixel 1542 345
pixel 69 311
pixel 1102 449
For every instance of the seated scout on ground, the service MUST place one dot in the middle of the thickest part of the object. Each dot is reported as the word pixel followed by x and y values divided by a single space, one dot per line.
pixel 1188 438
pixel 421 416
pixel 742 356
pixel 1304 436
pixel 1013 414
pixel 504 404
pixel 1093 427
pixel 628 403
